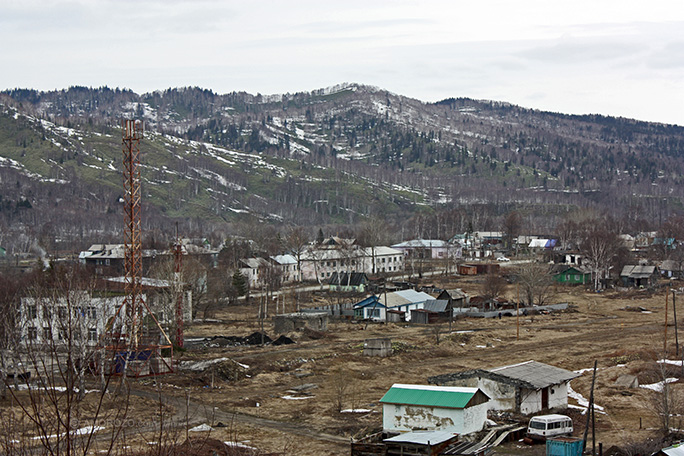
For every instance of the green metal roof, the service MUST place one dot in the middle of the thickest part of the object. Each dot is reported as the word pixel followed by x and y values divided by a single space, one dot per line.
pixel 429 396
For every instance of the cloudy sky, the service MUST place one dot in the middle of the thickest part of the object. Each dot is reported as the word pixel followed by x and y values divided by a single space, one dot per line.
pixel 612 57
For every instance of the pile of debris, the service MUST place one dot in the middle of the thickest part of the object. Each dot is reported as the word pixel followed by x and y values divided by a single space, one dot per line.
pixel 256 338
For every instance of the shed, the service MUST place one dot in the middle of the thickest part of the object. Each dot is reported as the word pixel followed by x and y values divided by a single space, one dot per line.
pixel 433 311
pixel 467 269
pixel 457 297
pixel 528 387
pixel 639 275
pixel 425 407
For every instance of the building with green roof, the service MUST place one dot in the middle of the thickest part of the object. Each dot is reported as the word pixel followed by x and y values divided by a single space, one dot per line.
pixel 407 408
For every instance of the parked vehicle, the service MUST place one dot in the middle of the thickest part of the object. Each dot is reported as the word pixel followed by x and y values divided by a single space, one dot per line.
pixel 543 426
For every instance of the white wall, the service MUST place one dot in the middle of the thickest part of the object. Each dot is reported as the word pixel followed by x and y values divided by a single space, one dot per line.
pixel 502 395
pixel 405 418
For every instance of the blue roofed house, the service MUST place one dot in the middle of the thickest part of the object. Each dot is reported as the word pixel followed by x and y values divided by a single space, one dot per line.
pixel 370 309
pixel 407 408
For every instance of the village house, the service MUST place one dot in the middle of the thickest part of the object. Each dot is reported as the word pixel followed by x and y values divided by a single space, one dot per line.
pixel 404 301
pixel 671 268
pixel 527 388
pixel 255 271
pixel 639 275
pixel 407 408
pixel 571 275
pixel 426 248
pixel 356 282
pixel 370 309
pixel 286 266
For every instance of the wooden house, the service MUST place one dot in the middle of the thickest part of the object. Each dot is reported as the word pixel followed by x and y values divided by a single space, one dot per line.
pixel 639 275
pixel 571 275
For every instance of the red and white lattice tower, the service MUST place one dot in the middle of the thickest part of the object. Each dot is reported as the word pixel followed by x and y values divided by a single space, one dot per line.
pixel 133 301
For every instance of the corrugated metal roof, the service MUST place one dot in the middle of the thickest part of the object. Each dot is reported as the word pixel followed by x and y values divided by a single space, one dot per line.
pixel 674 450
pixel 539 375
pixel 429 396
pixel 402 297
pixel 423 437
pixel 637 271
pixel 436 305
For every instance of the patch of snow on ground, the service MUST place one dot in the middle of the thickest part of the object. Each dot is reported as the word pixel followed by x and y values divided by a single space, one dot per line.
pixel 201 428
pixel 239 445
pixel 356 411
pixel 670 361
pixel 583 403
pixel 201 365
pixel 296 398
pixel 658 387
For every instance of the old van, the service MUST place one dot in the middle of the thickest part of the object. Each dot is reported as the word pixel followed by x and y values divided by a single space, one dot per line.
pixel 543 426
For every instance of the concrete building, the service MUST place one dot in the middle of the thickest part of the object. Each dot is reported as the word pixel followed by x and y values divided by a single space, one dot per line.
pixel 459 410
pixel 528 387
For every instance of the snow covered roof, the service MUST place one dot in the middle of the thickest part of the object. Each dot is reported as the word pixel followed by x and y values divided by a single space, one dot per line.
pixel 403 297
pixel 421 243
pixel 284 259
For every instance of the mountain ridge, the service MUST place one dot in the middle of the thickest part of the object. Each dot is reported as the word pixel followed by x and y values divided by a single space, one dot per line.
pixel 333 156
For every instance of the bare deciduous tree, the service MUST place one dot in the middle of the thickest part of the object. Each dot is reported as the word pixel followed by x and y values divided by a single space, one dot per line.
pixel 536 282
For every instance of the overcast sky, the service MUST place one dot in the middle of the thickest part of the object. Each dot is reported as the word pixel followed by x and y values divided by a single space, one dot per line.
pixel 613 57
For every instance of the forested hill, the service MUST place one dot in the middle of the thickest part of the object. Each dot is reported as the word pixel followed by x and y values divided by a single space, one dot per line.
pixel 338 155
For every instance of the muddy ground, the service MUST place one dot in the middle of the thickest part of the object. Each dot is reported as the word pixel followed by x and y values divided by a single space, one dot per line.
pixel 286 399
pixel 306 383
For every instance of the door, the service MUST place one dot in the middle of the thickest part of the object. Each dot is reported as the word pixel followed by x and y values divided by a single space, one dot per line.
pixel 545 398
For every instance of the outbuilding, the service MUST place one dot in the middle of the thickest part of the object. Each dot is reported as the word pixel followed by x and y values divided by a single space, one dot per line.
pixel 528 387
pixel 460 410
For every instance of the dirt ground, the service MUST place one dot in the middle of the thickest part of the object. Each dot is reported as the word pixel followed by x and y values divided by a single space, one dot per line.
pixel 286 399
pixel 304 383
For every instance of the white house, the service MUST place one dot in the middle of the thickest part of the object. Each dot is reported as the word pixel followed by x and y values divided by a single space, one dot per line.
pixel 426 248
pixel 406 408
pixel 321 264
pixel 287 266
pixel 370 309
pixel 56 320
pixel 528 387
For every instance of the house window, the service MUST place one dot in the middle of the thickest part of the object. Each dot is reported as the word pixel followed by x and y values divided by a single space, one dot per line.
pixel 374 313
pixel 32 333
pixel 47 313
pixel 577 277
pixel 92 312
pixel 47 334
pixel 62 312
pixel 92 334
pixel 32 312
